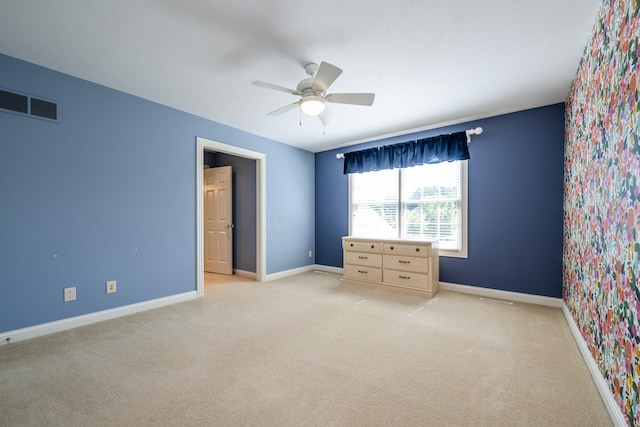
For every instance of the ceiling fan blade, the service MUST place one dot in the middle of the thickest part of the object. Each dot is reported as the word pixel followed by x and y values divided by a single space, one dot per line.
pixel 352 98
pixel 326 117
pixel 275 87
pixel 284 109
pixel 325 76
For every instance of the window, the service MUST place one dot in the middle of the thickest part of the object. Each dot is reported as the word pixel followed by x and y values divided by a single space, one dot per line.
pixel 427 202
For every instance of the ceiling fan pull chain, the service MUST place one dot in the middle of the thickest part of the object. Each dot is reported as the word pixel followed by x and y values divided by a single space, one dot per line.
pixel 300 111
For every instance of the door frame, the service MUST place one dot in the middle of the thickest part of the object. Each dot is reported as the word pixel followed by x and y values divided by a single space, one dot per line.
pixel 203 144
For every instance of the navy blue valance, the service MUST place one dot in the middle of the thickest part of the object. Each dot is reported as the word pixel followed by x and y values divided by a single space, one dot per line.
pixel 442 148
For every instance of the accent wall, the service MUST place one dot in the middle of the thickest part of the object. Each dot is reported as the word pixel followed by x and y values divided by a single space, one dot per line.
pixel 515 203
pixel 109 193
pixel 602 201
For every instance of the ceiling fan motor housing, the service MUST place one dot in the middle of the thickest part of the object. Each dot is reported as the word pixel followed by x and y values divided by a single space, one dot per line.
pixel 305 87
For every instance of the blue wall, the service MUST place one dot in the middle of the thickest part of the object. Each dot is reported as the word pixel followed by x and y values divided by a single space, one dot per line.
pixel 244 207
pixel 288 212
pixel 515 203
pixel 109 194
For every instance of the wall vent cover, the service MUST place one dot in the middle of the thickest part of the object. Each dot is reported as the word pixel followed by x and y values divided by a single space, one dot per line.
pixel 15 102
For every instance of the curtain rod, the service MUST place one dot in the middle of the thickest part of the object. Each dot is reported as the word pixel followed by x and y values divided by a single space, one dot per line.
pixel 469 132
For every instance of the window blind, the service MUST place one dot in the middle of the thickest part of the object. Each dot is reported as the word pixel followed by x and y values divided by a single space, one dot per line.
pixel 422 202
pixel 431 197
pixel 374 204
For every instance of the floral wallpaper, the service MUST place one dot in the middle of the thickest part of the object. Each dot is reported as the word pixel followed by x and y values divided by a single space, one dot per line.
pixel 602 201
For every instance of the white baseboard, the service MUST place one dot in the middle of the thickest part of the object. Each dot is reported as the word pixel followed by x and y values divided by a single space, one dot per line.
pixel 504 295
pixel 304 269
pixel 287 273
pixel 87 319
pixel 617 417
pixel 328 269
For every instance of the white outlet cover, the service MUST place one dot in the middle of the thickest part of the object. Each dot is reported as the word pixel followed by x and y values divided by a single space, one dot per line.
pixel 111 286
pixel 69 294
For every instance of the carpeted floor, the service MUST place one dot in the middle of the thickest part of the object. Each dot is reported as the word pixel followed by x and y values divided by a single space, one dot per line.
pixel 307 350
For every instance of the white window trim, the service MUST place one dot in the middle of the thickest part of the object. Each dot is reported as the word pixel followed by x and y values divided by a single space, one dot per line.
pixel 464 187
pixel 464 249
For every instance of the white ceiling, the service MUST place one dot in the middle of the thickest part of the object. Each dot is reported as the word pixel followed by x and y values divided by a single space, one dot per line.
pixel 429 62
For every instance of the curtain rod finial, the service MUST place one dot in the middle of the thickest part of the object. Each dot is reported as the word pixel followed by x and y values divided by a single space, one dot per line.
pixel 469 132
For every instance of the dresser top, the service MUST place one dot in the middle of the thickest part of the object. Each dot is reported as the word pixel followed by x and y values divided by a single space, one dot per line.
pixel 433 243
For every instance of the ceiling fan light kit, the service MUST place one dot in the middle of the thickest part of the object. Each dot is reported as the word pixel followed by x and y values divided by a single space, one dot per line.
pixel 312 105
pixel 313 91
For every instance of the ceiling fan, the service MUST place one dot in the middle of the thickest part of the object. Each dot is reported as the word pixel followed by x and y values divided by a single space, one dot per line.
pixel 313 92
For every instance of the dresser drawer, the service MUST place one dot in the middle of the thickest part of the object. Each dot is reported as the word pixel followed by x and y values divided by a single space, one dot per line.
pixel 406 279
pixel 363 258
pixel 368 247
pixel 363 273
pixel 406 249
pixel 406 263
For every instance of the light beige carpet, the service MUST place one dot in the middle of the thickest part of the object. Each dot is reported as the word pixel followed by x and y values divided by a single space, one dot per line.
pixel 306 351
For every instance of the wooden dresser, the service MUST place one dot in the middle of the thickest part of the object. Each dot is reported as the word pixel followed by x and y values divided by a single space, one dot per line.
pixel 407 265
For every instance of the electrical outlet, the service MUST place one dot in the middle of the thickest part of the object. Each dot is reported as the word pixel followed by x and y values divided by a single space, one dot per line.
pixel 111 286
pixel 310 254
pixel 69 294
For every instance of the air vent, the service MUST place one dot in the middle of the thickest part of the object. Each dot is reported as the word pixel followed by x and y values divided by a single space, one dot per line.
pixel 14 102
pixel 28 105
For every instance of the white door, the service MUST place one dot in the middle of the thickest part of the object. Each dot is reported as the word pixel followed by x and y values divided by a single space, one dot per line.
pixel 218 227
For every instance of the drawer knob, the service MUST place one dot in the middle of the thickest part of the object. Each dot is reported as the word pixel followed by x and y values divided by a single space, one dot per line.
pixel 417 249
pixel 351 245
pixel 372 246
pixel 391 248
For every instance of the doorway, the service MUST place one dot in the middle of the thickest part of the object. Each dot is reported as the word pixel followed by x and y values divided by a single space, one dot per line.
pixel 203 144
